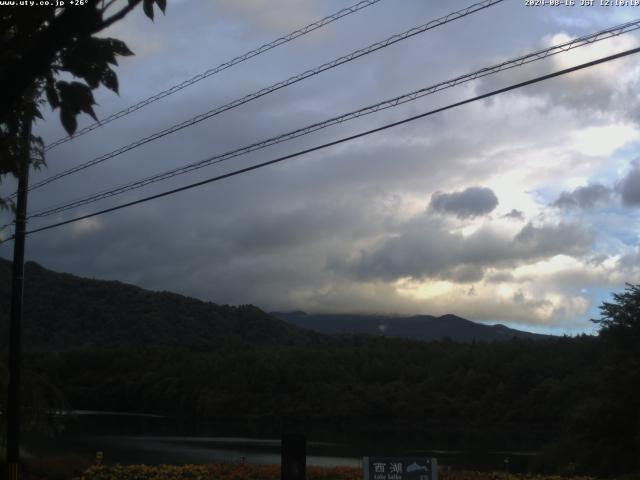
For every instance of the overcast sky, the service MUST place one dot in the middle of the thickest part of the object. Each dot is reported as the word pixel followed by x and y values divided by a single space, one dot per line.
pixel 523 209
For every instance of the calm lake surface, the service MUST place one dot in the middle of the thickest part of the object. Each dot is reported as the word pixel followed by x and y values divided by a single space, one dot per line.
pixel 128 438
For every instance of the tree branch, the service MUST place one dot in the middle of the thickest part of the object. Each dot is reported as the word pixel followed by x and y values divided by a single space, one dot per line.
pixel 40 54
pixel 120 15
pixel 107 6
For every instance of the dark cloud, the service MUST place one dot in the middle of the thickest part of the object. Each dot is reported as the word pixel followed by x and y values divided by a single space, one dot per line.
pixel 583 197
pixel 431 251
pixel 548 240
pixel 515 215
pixel 630 188
pixel 471 202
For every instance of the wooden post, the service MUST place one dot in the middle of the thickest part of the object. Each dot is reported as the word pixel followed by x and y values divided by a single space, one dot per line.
pixel 15 327
pixel 293 460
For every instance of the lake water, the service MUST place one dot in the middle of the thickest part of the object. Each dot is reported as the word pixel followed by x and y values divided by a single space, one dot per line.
pixel 129 438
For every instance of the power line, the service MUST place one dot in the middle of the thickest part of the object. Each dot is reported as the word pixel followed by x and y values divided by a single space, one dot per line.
pixel 276 86
pixel 223 66
pixel 393 102
pixel 342 140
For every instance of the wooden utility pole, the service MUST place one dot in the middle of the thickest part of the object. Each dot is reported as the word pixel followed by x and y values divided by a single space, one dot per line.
pixel 15 325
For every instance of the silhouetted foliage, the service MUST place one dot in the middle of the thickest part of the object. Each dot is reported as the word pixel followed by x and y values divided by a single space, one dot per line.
pixel 611 419
pixel 623 314
pixel 39 43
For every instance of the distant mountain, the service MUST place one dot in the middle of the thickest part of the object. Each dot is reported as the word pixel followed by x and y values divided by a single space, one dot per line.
pixel 63 311
pixel 421 327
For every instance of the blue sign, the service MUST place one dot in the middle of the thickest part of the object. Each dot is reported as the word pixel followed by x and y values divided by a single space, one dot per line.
pixel 395 468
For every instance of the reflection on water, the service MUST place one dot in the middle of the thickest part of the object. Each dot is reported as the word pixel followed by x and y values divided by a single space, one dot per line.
pixel 178 449
pixel 130 438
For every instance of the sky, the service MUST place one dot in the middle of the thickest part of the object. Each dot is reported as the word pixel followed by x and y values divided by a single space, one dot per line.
pixel 522 209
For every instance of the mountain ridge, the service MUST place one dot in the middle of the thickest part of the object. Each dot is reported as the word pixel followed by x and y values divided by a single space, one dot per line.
pixel 64 311
pixel 416 327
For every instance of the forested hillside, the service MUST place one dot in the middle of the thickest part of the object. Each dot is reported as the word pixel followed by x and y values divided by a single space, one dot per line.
pixel 511 382
pixel 62 311
pixel 109 346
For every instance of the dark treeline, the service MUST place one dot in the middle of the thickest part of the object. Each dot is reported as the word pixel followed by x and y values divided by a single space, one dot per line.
pixel 518 381
pixel 109 346
pixel 564 386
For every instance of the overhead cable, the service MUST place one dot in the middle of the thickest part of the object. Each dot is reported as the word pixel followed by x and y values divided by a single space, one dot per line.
pixel 389 103
pixel 276 86
pixel 223 66
pixel 339 141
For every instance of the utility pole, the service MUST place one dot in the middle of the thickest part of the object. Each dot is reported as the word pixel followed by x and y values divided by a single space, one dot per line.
pixel 17 287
